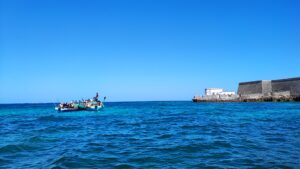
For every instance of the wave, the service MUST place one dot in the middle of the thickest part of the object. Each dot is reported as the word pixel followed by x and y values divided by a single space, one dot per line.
pixel 12 148
pixel 51 118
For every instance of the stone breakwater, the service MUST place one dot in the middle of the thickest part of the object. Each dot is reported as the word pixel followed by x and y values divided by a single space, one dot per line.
pixel 260 91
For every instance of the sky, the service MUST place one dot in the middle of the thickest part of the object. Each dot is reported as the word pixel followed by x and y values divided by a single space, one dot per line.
pixel 143 50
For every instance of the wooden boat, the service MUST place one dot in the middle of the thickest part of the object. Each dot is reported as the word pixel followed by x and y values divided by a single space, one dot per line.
pixel 89 105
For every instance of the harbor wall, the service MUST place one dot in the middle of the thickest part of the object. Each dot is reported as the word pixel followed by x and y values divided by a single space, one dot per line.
pixel 291 85
pixel 270 90
pixel 261 87
pixel 247 88
pixel 266 87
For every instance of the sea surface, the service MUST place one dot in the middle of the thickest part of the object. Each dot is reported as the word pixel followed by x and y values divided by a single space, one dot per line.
pixel 152 135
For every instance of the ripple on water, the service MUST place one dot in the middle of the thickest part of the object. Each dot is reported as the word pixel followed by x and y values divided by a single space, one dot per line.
pixel 12 148
pixel 73 162
pixel 123 166
pixel 51 118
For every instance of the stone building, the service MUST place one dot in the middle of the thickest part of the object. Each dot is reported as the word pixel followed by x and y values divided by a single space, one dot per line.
pixel 291 86
pixel 270 90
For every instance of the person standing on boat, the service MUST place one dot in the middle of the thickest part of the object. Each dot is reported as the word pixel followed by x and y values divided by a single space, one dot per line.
pixel 96 98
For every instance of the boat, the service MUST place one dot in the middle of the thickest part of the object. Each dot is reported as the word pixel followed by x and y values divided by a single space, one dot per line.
pixel 88 105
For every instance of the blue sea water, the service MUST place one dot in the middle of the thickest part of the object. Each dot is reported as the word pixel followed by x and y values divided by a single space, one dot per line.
pixel 152 135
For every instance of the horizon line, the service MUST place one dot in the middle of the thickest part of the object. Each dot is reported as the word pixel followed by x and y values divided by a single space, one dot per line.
pixel 105 101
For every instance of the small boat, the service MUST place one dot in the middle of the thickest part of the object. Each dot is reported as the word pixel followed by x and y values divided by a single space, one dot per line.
pixel 89 105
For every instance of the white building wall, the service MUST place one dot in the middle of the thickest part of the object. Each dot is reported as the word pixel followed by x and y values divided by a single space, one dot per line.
pixel 227 93
pixel 213 91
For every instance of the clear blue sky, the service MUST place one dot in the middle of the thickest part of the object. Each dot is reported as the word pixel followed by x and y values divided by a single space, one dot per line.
pixel 55 50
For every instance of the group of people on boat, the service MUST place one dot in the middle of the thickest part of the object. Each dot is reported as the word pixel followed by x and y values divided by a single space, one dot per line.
pixel 89 104
pixel 68 105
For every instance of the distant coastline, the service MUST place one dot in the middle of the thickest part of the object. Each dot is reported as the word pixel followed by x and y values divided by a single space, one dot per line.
pixel 282 90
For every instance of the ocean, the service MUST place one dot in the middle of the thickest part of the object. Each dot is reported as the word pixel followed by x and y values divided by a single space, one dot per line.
pixel 152 135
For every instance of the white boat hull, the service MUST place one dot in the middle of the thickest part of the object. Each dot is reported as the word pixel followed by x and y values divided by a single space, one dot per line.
pixel 66 109
pixel 95 108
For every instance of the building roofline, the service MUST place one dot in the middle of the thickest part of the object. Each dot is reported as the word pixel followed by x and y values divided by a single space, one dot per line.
pixel 288 79
pixel 250 82
pixel 213 88
pixel 278 80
